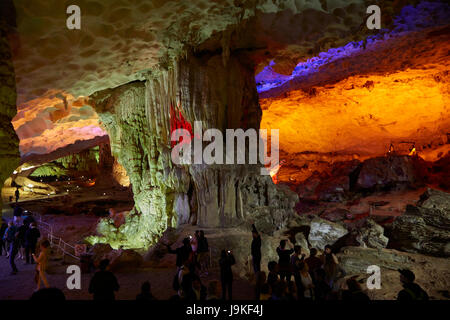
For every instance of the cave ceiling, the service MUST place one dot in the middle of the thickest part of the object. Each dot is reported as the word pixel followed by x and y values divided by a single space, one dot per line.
pixel 126 40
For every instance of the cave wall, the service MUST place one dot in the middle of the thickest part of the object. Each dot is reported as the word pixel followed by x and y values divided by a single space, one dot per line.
pixel 9 143
pixel 221 94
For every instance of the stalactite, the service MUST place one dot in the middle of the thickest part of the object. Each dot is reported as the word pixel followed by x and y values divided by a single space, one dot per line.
pixel 140 117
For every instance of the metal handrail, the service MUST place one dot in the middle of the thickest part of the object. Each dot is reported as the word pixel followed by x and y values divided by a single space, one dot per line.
pixel 55 240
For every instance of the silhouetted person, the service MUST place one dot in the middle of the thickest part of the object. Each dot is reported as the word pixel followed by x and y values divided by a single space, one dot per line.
pixel 291 294
pixel 17 219
pixel 260 281
pixel 3 228
pixel 226 273
pixel 284 261
pixel 42 263
pixel 13 245
pixel 214 291
pixel 21 231
pixel 256 250
pixel 28 220
pixel 103 284
pixel 17 194
pixel 272 277
pixel 296 260
pixel 146 293
pixel 31 238
pixel 314 263
pixel 198 289
pixel 202 252
pixel 411 290
pixel 307 282
pixel 279 291
pixel 266 292
pixel 183 253
pixel 331 267
pixel 321 287
pixel 354 291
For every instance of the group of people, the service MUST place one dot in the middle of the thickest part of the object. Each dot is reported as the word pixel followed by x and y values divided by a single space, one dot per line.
pixel 295 277
pixel 19 239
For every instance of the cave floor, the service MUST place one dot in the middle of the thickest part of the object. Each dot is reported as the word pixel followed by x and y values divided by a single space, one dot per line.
pixel 21 285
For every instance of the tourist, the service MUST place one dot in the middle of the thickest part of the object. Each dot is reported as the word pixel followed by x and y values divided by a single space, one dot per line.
pixel 181 282
pixel 226 273
pixel 21 231
pixel 292 291
pixel 314 263
pixel 146 294
pixel 284 261
pixel 194 246
pixel 3 228
pixel 183 253
pixel 17 194
pixel 202 253
pixel 331 267
pixel 256 250
pixel 17 219
pixel 104 283
pixel 411 290
pixel 321 288
pixel 9 237
pixel 260 281
pixel 296 260
pixel 194 241
pixel 198 289
pixel 31 238
pixel 28 220
pixel 266 292
pixel 279 291
pixel 13 245
pixel 213 291
pixel 272 277
pixel 307 283
pixel 41 264
pixel 354 291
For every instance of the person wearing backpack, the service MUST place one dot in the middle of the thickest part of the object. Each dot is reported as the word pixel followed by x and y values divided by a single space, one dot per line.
pixel 411 290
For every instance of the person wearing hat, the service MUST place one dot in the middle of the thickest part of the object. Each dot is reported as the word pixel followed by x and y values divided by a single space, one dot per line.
pixel 411 290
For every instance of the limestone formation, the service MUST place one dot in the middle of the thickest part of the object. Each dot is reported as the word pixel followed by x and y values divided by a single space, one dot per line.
pixel 424 228
pixel 136 117
pixel 9 143
pixel 355 260
pixel 324 233
pixel 367 234
pixel 388 172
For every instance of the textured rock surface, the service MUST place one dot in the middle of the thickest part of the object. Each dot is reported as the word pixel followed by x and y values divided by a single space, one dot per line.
pixel 137 118
pixel 424 228
pixel 9 143
pixel 324 233
pixel 388 172
pixel 354 107
pixel 432 273
pixel 119 40
pixel 355 260
pixel 367 234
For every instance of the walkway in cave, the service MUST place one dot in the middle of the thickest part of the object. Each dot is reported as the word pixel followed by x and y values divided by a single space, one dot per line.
pixel 21 286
